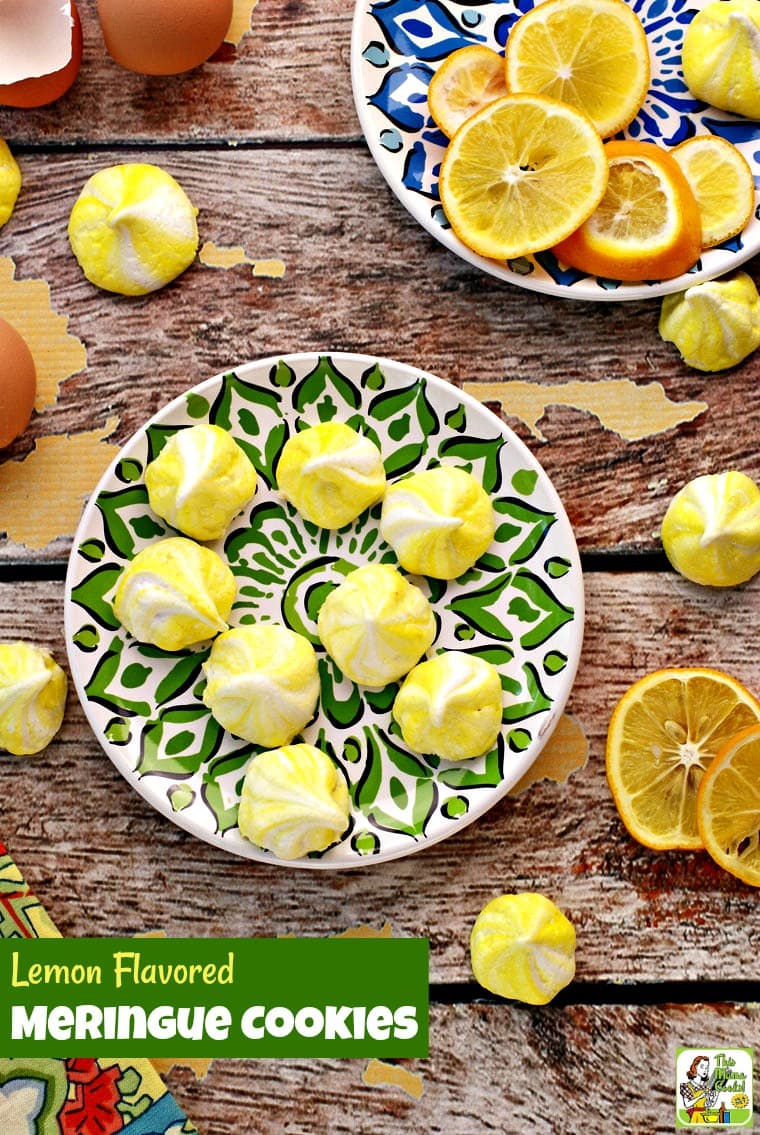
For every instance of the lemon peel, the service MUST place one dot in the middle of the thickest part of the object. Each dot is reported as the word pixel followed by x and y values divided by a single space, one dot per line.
pixel 10 182
pixel 200 481
pixel 711 529
pixel 175 594
pixel 450 705
pixel 133 229
pixel 715 324
pixel 330 473
pixel 721 56
pixel 376 625
pixel 293 801
pixel 32 698
pixel 523 947
pixel 438 522
pixel 262 683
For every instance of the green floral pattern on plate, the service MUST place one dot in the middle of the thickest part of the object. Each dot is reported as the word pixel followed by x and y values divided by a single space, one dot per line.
pixel 520 607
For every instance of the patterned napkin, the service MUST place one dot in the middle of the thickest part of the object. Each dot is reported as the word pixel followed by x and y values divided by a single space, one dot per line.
pixel 74 1097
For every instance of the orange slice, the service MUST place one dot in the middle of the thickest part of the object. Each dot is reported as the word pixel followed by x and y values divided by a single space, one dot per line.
pixel 647 225
pixel 521 174
pixel 467 80
pixel 664 733
pixel 728 807
pixel 592 54
pixel 722 183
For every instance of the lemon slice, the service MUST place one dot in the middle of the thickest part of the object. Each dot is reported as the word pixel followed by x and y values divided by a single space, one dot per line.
pixel 262 683
pixel 721 56
pixel 591 54
pixel 711 530
pixel 330 473
pixel 174 594
pixel 376 625
pixel 450 705
pixel 521 174
pixel 728 807
pixel 467 80
pixel 293 801
pixel 664 732
pixel 133 229
pixel 32 698
pixel 523 947
pixel 10 182
pixel 200 481
pixel 715 324
pixel 722 183
pixel 438 522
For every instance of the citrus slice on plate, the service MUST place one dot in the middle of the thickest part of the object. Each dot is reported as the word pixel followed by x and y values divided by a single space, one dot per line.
pixel 728 807
pixel 664 732
pixel 467 80
pixel 647 225
pixel 523 947
pixel 722 183
pixel 592 54
pixel 721 56
pixel 521 174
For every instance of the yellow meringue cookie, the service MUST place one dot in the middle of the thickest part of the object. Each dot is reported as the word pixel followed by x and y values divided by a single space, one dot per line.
pixel 376 625
pixel 438 522
pixel 716 324
pixel 32 698
pixel 262 683
pixel 450 705
pixel 200 481
pixel 174 594
pixel 331 474
pixel 294 801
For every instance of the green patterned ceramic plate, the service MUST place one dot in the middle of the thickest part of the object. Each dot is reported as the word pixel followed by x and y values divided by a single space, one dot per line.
pixel 521 607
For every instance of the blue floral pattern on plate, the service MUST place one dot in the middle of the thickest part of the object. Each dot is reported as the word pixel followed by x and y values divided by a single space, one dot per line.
pixel 397 46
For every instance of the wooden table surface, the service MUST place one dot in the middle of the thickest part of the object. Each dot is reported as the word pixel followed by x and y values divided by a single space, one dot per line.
pixel 266 141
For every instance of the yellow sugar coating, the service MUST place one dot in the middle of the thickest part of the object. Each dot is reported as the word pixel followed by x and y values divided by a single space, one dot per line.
pixel 714 325
pixel 294 800
pixel 330 474
pixel 523 947
pixel 175 594
pixel 450 705
pixel 10 182
pixel 376 625
pixel 711 529
pixel 262 683
pixel 438 522
pixel 32 698
pixel 200 481
pixel 721 56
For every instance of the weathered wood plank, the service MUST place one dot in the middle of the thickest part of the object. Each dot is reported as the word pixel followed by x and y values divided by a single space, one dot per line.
pixel 105 863
pixel 354 259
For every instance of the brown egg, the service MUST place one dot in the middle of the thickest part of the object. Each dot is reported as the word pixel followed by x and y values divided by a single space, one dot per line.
pixel 163 37
pixel 18 384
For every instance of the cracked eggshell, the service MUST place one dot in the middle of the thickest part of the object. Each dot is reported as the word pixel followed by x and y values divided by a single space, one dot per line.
pixel 163 37
pixel 40 51
pixel 18 384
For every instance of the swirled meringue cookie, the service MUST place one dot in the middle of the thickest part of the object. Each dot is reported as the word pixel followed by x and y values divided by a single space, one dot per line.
pixel 438 522
pixel 293 801
pixel 174 594
pixel 450 705
pixel 330 474
pixel 200 481
pixel 32 698
pixel 262 683
pixel 376 625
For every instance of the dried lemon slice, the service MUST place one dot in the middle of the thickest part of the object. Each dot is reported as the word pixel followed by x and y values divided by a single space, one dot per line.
pixel 174 594
pixel 711 530
pixel 722 183
pixel 32 698
pixel 376 625
pixel 450 705
pixel 467 80
pixel 715 324
pixel 523 947
pixel 262 683
pixel 293 801
pixel 438 522
pixel 200 481
pixel 330 473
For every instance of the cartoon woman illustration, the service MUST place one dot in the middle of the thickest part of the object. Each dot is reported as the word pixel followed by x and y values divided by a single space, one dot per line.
pixel 697 1092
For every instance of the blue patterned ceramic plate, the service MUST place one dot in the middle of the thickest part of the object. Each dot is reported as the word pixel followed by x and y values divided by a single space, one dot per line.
pixel 398 44
pixel 521 607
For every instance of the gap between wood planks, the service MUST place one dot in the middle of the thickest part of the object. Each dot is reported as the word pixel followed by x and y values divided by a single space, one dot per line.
pixel 611 993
